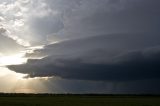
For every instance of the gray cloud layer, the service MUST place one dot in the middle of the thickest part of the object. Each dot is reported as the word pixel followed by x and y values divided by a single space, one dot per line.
pixel 108 46
pixel 116 57
pixel 43 21
pixel 87 18
pixel 133 69
pixel 121 32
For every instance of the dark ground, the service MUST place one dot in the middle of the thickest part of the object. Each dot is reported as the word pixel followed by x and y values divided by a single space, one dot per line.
pixel 78 100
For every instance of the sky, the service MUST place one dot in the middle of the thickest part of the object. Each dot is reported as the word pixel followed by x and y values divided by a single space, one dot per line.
pixel 80 46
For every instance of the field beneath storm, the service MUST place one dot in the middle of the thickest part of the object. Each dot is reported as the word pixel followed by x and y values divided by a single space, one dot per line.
pixel 78 100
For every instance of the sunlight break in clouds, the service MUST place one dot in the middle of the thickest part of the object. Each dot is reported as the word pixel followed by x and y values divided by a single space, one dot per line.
pixel 15 83
pixel 15 23
pixel 13 59
pixel 19 19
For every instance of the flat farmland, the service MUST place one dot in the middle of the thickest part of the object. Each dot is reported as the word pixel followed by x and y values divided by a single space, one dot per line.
pixel 78 100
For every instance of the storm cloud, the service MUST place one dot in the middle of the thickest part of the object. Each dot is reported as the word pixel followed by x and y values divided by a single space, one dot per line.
pixel 143 68
pixel 45 21
pixel 92 59
pixel 101 46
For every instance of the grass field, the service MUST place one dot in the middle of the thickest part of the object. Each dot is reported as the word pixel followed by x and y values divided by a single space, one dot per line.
pixel 79 100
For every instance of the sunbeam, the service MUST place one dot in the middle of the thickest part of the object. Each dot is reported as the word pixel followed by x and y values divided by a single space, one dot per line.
pixel 12 59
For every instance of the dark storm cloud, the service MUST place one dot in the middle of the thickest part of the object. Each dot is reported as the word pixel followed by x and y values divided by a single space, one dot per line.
pixel 130 58
pixel 68 19
pixel 110 45
pixel 124 43
pixel 47 25
pixel 89 18
pixel 132 66
pixel 107 46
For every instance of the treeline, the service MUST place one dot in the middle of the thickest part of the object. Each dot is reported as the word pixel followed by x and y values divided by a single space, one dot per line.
pixel 69 94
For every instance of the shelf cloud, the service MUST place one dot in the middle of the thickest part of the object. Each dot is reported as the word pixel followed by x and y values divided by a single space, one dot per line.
pixel 80 42
pixel 92 59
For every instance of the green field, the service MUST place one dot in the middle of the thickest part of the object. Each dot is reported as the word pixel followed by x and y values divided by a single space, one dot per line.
pixel 79 100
